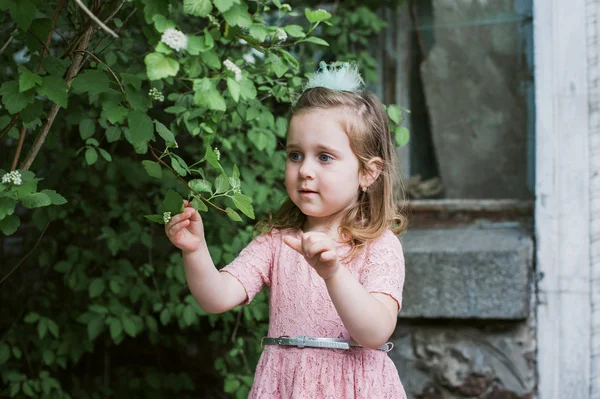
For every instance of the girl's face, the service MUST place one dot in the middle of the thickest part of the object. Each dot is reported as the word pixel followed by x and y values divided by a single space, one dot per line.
pixel 322 172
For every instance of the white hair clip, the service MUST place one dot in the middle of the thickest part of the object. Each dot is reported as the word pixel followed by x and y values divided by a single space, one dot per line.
pixel 344 78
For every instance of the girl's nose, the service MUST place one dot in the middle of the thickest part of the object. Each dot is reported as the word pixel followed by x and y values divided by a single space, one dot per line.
pixel 306 170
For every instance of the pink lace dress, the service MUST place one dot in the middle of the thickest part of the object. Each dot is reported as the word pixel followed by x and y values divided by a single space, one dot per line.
pixel 300 305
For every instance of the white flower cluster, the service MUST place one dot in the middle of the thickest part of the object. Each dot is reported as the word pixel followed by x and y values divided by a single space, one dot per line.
pixel 175 39
pixel 155 94
pixel 12 177
pixel 166 217
pixel 217 153
pixel 233 68
pixel 280 35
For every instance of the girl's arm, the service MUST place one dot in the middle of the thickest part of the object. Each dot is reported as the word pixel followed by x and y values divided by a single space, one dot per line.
pixel 215 292
pixel 370 318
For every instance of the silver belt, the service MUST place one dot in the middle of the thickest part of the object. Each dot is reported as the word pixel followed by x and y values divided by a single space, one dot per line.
pixel 310 342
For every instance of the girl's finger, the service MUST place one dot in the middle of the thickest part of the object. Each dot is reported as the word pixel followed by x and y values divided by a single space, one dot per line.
pixel 328 256
pixel 176 228
pixel 316 248
pixel 293 243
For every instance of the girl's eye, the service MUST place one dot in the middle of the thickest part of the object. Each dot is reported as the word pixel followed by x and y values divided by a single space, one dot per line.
pixel 294 156
pixel 325 158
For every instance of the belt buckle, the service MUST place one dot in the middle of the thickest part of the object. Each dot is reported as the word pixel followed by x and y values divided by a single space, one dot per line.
pixel 301 341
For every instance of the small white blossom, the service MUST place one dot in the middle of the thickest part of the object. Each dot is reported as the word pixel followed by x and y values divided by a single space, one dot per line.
pixel 233 68
pixel 280 35
pixel 237 190
pixel 218 154
pixel 175 39
pixel 166 217
pixel 156 95
pixel 213 20
pixel 12 177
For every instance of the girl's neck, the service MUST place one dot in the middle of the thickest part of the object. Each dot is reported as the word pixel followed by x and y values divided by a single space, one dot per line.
pixel 327 225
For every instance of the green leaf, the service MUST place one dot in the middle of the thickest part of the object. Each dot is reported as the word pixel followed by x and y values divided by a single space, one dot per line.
pixel 158 66
pixel 211 59
pixel 155 218
pixel 211 158
pixel 198 44
pixel 87 128
pixel 13 99
pixel 23 12
pixel 234 89
pixel 28 79
pixel 233 215
pixel 7 207
pixel 316 16
pixel 36 200
pixel 259 32
pixel 200 186
pixel 91 156
pixel 95 327
pixel 294 30
pixel 55 198
pixel 55 66
pixel 394 113
pixel 248 91
pixel 221 184
pixel 31 317
pixel 315 40
pixel 162 23
pixel 116 328
pixel 206 95
pixel 165 316
pixel 113 134
pixel 224 5
pixel 115 113
pixel 152 168
pixel 277 65
pixel 53 328
pixel 173 203
pixel 107 157
pixel 177 166
pixel 48 357
pixel 244 204
pixel 231 385
pixel 129 326
pixel 199 205
pixel 55 89
pixel 238 15
pixel 165 133
pixel 402 135
pixel 151 323
pixel 42 328
pixel 92 81
pixel 198 8
pixel 4 353
pixel 96 287
pixel 140 127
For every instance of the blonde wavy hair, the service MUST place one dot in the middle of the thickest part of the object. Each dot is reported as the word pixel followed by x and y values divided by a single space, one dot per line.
pixel 380 208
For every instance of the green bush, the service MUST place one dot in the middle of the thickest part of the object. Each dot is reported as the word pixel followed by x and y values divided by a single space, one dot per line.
pixel 104 131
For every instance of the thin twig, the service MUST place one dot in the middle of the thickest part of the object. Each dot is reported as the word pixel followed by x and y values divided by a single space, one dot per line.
pixel 95 19
pixel 114 12
pixel 49 38
pixel 71 73
pixel 27 255
pixel 10 39
pixel 13 122
pixel 237 326
pixel 183 180
pixel 104 63
pixel 19 147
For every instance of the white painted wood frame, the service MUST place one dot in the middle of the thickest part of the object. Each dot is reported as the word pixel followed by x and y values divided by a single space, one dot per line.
pixel 564 190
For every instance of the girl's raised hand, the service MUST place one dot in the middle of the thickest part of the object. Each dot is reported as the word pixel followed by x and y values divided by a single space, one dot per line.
pixel 186 230
pixel 319 250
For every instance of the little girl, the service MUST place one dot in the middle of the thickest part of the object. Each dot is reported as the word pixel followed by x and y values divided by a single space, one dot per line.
pixel 330 257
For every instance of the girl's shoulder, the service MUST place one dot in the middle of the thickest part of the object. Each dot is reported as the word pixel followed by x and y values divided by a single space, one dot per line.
pixel 388 241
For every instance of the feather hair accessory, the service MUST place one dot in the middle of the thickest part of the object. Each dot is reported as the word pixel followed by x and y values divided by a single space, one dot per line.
pixel 335 77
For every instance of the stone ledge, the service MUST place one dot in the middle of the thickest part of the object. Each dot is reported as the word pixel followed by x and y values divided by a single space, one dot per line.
pixel 467 272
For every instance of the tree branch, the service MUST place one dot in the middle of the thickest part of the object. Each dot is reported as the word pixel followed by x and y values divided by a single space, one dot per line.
pixel 49 38
pixel 19 147
pixel 95 19
pixel 72 72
